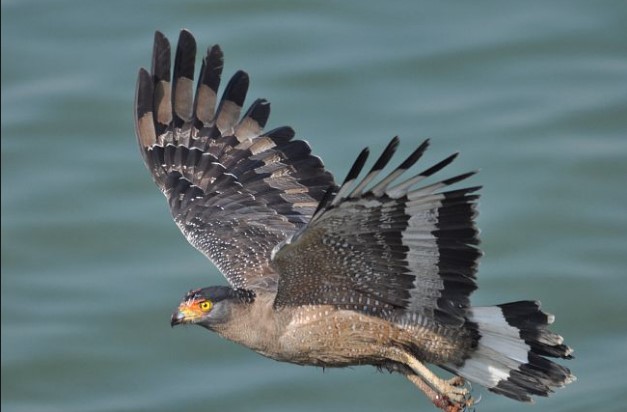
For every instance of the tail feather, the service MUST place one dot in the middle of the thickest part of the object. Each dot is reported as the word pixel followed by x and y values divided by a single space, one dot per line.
pixel 509 358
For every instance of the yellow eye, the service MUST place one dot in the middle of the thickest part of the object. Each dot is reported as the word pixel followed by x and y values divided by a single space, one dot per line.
pixel 205 305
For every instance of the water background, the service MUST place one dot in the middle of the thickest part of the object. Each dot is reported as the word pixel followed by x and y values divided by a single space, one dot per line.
pixel 532 93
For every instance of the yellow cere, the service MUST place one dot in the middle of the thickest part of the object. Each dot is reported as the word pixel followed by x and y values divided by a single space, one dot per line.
pixel 205 305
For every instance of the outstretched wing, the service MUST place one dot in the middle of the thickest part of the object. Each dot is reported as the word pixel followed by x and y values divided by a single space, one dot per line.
pixel 234 191
pixel 387 251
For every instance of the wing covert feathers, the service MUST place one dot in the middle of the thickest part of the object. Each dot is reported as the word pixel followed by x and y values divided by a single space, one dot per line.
pixel 234 191
pixel 388 250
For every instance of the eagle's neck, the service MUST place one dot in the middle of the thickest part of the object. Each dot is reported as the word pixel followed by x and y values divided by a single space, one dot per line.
pixel 256 325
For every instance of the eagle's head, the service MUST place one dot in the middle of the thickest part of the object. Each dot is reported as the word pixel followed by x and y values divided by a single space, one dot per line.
pixel 211 306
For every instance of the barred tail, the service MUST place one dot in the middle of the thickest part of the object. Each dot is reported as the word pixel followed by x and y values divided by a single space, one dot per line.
pixel 510 356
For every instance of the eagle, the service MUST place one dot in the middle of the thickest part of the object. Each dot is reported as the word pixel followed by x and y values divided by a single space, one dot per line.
pixel 375 271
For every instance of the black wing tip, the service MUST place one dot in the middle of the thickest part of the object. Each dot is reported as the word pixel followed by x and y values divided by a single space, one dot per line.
pixel 358 165
pixel 214 49
pixel 144 94
pixel 237 88
pixel 415 156
pixel 386 155
pixel 259 111
pixel 143 74
pixel 185 55
pixel 161 57
pixel 440 165
pixel 160 38
pixel 281 135
pixel 459 178
pixel 467 192
pixel 187 36
pixel 215 55
pixel 327 197
pixel 213 63
pixel 240 76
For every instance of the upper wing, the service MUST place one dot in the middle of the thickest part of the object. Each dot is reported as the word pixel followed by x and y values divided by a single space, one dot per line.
pixel 234 191
pixel 389 250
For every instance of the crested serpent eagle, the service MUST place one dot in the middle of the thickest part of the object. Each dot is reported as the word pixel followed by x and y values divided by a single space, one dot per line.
pixel 376 271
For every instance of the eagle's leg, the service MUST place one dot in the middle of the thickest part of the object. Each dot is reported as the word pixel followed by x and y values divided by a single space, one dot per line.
pixel 453 392
pixel 437 399
pixel 447 395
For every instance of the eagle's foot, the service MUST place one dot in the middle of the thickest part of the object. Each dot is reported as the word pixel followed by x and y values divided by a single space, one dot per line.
pixel 458 400
pixel 452 389
pixel 456 381
pixel 451 395
pixel 447 404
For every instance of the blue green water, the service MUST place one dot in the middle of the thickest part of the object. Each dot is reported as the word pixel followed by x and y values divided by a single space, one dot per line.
pixel 532 93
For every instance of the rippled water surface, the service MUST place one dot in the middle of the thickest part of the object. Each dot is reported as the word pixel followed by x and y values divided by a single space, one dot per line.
pixel 532 93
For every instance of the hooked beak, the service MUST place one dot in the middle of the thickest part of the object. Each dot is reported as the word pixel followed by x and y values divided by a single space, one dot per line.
pixel 177 318
pixel 187 312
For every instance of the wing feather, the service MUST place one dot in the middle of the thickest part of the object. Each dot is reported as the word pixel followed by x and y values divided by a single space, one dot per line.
pixel 207 88
pixel 386 251
pixel 234 191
